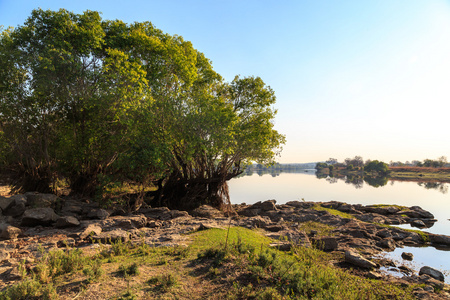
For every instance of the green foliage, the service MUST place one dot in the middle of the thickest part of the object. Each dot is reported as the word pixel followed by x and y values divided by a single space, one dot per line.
pixel 93 271
pixel 164 282
pixel 131 270
pixel 321 166
pixel 377 167
pixel 22 290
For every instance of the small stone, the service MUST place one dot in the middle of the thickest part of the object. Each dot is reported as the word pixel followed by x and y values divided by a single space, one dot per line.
pixel 39 216
pixel 407 256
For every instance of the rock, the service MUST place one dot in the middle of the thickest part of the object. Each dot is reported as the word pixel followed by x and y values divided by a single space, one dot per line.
pixel 9 232
pixel 274 228
pixel 325 243
pixel 417 212
pixel 439 239
pixel 250 212
pixel 406 270
pixel 112 236
pixel 207 211
pixel 179 214
pixel 16 210
pixel 418 224
pixel 357 260
pixel 67 221
pixel 39 216
pixel 6 203
pixel 98 213
pixel 282 246
pixel 259 221
pixel 154 224
pixel 374 275
pixel 432 272
pixel 427 279
pixel 386 244
pixel 90 230
pixel 125 222
pixel 299 204
pixel 19 199
pixel 35 199
pixel 268 205
pixel 407 256
pixel 4 255
pixel 382 210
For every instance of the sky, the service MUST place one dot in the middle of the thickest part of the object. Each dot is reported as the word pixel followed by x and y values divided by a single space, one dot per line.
pixel 366 78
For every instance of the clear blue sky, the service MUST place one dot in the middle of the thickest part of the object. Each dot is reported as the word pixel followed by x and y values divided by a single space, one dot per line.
pixel 368 78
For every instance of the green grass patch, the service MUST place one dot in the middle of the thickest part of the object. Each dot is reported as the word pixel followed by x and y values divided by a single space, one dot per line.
pixel 333 211
pixel 216 237
pixel 303 273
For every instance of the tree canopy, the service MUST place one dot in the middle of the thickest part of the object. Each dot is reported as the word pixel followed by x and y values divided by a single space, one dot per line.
pixel 97 102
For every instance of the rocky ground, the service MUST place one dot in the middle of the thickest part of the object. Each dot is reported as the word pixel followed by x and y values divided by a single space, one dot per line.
pixel 33 223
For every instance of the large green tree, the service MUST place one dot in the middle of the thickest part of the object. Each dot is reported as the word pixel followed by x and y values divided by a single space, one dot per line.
pixel 96 101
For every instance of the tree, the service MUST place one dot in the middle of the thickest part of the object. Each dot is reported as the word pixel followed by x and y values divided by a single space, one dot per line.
pixel 377 166
pixel 356 162
pixel 99 102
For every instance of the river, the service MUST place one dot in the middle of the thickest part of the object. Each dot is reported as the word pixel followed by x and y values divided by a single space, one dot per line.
pixel 306 186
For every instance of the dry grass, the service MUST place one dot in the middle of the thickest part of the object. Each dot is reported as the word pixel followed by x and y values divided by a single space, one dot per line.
pixel 5 190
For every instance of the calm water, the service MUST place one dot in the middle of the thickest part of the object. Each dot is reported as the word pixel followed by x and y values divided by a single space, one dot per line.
pixel 297 186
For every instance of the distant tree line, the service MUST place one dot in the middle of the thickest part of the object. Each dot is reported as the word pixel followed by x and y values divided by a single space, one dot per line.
pixel 355 163
pixel 441 162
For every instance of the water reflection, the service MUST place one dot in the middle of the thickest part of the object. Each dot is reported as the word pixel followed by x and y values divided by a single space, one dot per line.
pixel 357 181
pixel 440 186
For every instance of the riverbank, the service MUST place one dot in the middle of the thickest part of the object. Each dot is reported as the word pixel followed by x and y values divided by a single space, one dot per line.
pixel 420 174
pixel 129 254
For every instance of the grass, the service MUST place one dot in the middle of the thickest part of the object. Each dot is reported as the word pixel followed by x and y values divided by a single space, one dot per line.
pixel 247 268
pixel 320 228
pixel 422 234
pixel 333 211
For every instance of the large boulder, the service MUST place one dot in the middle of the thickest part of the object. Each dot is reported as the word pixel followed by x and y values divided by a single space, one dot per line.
pixel 432 272
pixel 39 216
pixel 5 203
pixel 35 199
